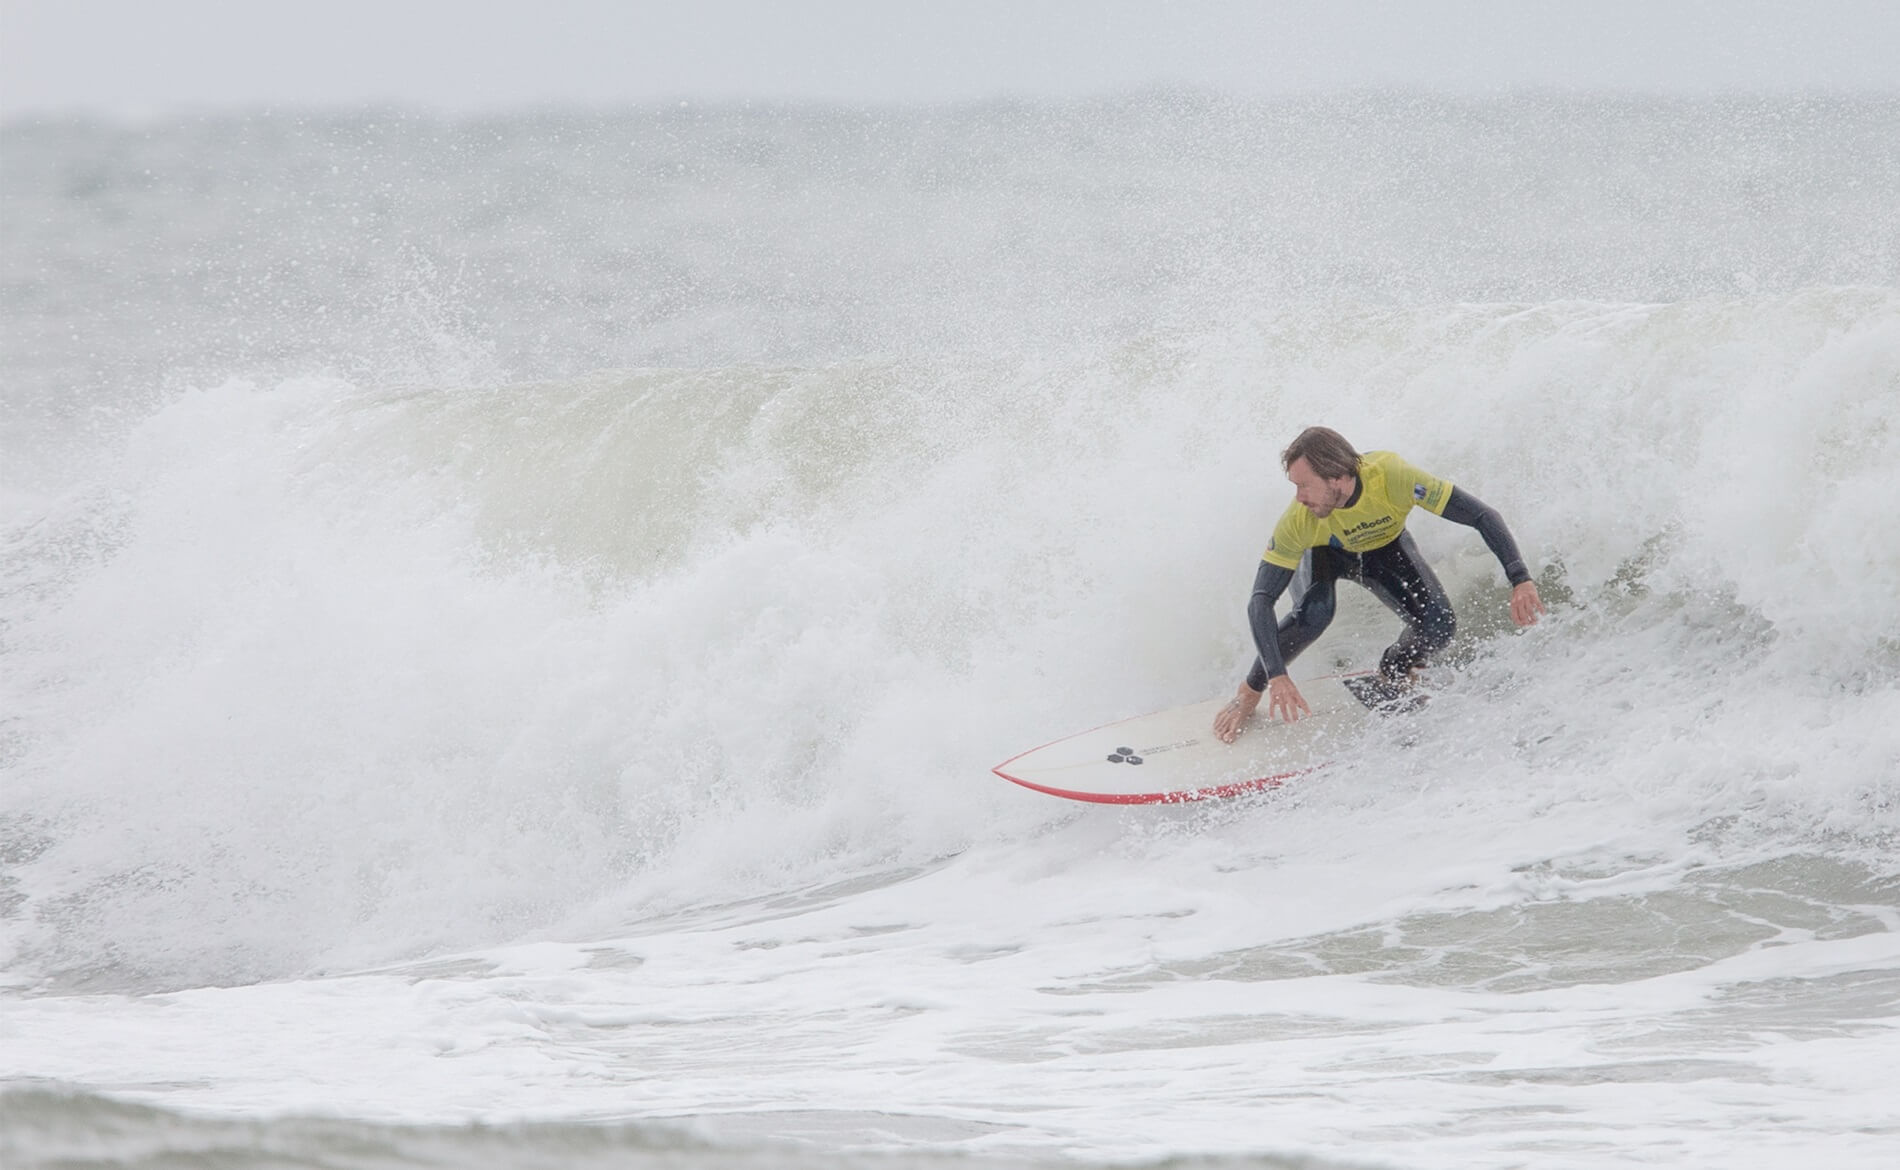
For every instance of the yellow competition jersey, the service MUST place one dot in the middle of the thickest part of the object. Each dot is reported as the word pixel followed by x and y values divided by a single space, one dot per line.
pixel 1390 488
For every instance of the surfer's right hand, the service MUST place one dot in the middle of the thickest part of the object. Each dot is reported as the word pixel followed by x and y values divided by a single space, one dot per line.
pixel 1235 714
pixel 1284 699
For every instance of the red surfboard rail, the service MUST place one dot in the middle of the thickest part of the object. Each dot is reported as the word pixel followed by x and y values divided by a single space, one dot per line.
pixel 1214 792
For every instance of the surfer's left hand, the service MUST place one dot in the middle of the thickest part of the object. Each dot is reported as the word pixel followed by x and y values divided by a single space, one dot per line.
pixel 1525 604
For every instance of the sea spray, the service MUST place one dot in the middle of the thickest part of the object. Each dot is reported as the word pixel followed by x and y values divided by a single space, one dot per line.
pixel 360 660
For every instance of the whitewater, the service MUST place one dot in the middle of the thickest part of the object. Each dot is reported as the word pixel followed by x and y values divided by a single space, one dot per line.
pixel 506 622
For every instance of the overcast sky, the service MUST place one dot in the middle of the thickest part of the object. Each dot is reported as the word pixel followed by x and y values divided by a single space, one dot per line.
pixel 152 56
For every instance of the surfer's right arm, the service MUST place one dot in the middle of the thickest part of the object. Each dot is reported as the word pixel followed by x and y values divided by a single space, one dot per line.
pixel 1269 669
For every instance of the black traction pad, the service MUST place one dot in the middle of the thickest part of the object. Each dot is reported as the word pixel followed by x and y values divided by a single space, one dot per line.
pixel 1383 695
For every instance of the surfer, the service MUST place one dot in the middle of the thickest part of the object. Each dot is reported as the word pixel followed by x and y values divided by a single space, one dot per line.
pixel 1347 519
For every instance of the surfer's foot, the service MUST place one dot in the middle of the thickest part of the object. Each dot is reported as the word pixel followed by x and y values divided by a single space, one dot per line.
pixel 1233 717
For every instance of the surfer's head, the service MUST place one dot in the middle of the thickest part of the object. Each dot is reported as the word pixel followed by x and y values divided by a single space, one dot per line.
pixel 1323 468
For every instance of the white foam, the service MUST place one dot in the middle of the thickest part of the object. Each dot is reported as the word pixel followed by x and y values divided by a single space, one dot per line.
pixel 344 673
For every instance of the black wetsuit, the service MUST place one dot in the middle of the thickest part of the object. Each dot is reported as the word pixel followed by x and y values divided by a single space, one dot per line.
pixel 1395 573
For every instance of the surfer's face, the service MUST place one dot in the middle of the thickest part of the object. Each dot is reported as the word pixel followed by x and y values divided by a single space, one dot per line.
pixel 1317 494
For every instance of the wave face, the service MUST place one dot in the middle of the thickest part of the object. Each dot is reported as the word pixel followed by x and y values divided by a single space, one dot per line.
pixel 585 568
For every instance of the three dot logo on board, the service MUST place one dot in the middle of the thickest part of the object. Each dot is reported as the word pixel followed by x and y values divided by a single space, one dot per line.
pixel 1123 756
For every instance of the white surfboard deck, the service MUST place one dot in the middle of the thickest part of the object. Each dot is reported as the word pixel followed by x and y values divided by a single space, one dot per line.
pixel 1171 757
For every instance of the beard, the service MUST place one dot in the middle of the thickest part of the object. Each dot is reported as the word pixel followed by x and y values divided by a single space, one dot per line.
pixel 1336 501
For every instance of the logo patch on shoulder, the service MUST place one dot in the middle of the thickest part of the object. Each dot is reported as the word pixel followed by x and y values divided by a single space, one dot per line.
pixel 1418 492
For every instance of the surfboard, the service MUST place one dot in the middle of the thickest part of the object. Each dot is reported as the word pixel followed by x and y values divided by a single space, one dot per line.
pixel 1171 757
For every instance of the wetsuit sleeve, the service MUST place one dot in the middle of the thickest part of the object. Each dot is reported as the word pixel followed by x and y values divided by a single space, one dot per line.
pixel 1268 584
pixel 1467 509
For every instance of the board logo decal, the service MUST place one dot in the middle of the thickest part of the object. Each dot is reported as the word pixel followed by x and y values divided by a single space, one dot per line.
pixel 1124 756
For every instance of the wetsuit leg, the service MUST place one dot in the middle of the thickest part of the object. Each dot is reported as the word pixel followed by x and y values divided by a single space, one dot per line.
pixel 1398 576
pixel 1313 600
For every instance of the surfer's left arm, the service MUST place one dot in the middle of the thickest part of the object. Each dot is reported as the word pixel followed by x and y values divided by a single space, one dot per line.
pixel 1467 509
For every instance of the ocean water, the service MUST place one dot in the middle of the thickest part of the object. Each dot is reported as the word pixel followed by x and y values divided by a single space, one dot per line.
pixel 505 624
